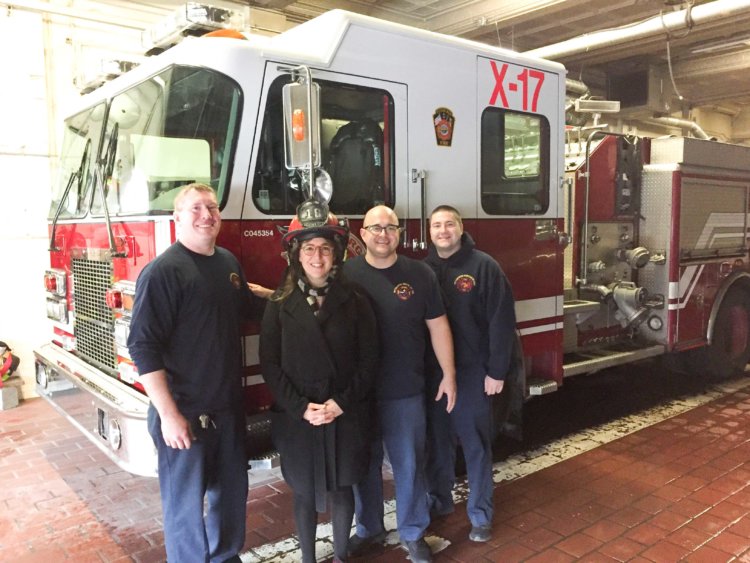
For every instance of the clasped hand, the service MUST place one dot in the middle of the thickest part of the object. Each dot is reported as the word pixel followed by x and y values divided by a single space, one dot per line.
pixel 318 414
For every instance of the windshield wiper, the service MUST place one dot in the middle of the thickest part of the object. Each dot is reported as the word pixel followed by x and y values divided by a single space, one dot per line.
pixel 77 176
pixel 104 169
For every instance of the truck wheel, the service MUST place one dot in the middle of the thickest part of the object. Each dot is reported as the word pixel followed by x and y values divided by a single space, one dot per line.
pixel 730 350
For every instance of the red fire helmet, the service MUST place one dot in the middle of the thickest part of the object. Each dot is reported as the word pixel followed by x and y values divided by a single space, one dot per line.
pixel 313 219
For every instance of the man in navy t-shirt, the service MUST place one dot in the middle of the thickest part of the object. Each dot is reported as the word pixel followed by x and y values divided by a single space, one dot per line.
pixel 185 341
pixel 406 298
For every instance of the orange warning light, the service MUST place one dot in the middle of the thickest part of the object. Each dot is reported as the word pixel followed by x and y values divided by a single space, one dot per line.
pixel 298 125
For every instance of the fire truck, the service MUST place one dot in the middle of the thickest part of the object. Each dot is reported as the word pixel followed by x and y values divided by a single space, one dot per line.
pixel 618 248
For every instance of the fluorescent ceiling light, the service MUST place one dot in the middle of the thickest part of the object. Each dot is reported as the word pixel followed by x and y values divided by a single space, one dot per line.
pixel 725 45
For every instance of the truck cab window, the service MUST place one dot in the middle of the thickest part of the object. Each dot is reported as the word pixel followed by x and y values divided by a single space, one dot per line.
pixel 82 130
pixel 515 163
pixel 357 150
pixel 176 128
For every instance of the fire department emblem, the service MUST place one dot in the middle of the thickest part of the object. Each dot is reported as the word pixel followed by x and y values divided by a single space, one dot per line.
pixel 234 279
pixel 403 291
pixel 464 283
pixel 354 247
pixel 443 121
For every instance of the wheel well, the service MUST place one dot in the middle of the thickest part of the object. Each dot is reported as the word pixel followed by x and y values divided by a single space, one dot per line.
pixel 507 410
pixel 518 358
pixel 739 281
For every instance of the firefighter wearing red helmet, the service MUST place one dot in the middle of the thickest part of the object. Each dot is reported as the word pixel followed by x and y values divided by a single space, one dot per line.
pixel 319 356
pixel 314 219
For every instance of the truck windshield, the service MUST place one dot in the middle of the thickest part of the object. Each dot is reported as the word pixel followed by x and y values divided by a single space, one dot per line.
pixel 80 129
pixel 176 128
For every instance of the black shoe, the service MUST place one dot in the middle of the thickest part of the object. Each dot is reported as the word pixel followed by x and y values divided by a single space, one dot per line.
pixel 480 533
pixel 358 545
pixel 419 551
pixel 436 514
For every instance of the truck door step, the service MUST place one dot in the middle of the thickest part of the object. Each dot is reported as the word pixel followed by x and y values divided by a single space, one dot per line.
pixel 269 460
pixel 595 360
pixel 260 451
pixel 536 386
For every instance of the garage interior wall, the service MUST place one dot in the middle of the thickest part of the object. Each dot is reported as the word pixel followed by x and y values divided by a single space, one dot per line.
pixel 45 59
pixel 26 142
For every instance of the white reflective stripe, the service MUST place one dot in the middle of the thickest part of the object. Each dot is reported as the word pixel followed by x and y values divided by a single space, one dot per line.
pixel 253 380
pixel 685 280
pixel 691 275
pixel 251 349
pixel 162 235
pixel 688 281
pixel 674 290
pixel 725 235
pixel 719 221
pixel 541 308
pixel 542 328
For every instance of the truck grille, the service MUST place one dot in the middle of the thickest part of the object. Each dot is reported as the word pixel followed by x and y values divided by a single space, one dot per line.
pixel 94 321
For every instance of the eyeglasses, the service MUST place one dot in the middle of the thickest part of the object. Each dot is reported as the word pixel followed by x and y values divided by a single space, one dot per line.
pixel 378 229
pixel 311 250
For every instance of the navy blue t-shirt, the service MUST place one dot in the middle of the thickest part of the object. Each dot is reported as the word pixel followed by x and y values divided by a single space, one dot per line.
pixel 187 317
pixel 403 297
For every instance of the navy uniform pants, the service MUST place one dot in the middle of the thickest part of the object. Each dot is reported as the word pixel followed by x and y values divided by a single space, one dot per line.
pixel 214 467
pixel 470 422
pixel 402 432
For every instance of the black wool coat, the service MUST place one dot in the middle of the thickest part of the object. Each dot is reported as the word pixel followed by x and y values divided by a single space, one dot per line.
pixel 306 359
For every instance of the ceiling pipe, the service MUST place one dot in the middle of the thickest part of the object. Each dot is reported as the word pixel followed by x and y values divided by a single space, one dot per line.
pixel 659 25
pixel 38 7
pixel 576 87
pixel 692 126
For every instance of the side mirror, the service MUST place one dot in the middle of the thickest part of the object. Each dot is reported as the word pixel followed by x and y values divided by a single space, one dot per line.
pixel 301 125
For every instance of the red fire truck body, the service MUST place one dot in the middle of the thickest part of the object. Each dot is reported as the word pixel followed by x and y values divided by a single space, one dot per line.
pixel 617 248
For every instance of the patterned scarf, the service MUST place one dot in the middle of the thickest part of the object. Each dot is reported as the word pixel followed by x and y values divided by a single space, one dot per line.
pixel 312 293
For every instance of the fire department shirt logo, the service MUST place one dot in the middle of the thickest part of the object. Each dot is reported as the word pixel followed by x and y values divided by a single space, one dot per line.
pixel 354 247
pixel 403 291
pixel 235 280
pixel 464 283
pixel 443 121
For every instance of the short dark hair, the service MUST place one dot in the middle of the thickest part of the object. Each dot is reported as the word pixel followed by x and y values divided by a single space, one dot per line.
pixel 448 209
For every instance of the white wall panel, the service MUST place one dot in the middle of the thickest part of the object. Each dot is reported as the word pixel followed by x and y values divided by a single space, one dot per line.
pixel 43 57
pixel 24 185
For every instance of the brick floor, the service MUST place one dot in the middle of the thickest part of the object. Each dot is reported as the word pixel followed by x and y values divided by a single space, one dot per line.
pixel 677 490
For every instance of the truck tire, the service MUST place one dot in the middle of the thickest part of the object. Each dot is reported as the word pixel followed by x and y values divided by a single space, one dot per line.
pixel 729 351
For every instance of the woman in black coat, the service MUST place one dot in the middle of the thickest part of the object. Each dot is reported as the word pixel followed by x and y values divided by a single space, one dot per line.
pixel 319 355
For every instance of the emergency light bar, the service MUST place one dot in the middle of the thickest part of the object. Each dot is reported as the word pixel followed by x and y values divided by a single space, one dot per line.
pixel 193 18
pixel 107 70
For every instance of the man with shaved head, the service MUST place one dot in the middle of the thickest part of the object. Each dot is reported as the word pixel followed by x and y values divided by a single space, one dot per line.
pixel 406 298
